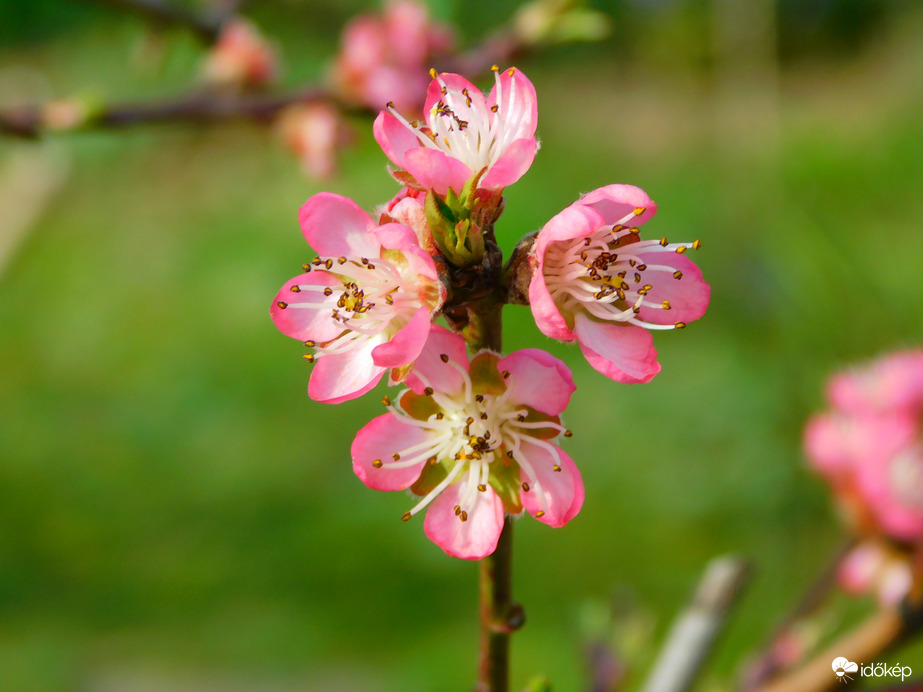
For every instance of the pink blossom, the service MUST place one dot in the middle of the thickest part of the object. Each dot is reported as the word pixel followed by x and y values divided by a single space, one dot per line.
pixel 474 440
pixel 595 281
pixel 877 568
pixel 464 133
pixel 364 305
pixel 869 446
pixel 241 58
pixel 385 58
pixel 312 132
pixel 407 207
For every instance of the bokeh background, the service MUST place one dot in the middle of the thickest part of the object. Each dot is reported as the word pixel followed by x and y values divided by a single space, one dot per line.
pixel 176 513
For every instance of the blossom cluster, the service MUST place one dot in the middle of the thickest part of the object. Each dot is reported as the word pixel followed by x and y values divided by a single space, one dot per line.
pixel 869 448
pixel 476 436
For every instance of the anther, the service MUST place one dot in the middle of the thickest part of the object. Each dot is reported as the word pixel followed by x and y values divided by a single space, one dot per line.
pixel 306 267
pixel 428 391
pixel 512 71
pixel 556 468
pixel 341 260
pixel 365 260
pixel 378 463
pixel 509 453
pixel 444 357
pixel 328 291
pixel 310 344
pixel 463 516
pixel 386 400
pixel 484 415
pixel 634 230
pixel 642 267
pixel 681 249
pixel 390 104
pixel 664 242
pixel 295 288
pixel 539 513
pixel 482 488
pixel 433 73
pixel 677 275
pixel 525 487
pixel 680 325
pixel 317 261
pixel 440 415
pixel 568 433
pixel 696 245
pixel 494 108
pixel 639 211
pixel 282 304
pixel 308 357
pixel 494 68
pixel 521 417
pixel 406 516
pixel 505 374
pixel 457 510
pixel 469 421
pixel 479 398
pixel 370 266
pixel 328 263
pixel 396 456
pixel 666 304
pixel 637 278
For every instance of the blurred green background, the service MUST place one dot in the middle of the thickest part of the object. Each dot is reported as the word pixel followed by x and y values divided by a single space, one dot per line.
pixel 178 515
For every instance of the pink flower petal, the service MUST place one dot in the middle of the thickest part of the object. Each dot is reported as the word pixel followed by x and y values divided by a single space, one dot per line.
pixel 518 105
pixel 406 345
pixel 339 377
pixel 307 324
pixel 547 317
pixel 615 202
pixel 688 296
pixel 429 366
pixel 394 138
pixel 379 440
pixel 562 491
pixel 433 169
pixel 538 379
pixel 624 353
pixel 335 226
pixel 512 164
pixel 469 540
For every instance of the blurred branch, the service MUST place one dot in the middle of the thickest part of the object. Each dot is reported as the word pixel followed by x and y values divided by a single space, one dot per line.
pixel 33 121
pixel 206 26
pixel 768 664
pixel 695 632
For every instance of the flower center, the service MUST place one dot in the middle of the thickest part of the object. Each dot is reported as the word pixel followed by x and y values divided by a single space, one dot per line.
pixel 608 274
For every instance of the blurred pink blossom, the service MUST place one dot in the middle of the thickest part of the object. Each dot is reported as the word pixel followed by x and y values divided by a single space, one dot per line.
pixel 387 58
pixel 595 281
pixel 869 445
pixel 873 567
pixel 474 440
pixel 313 133
pixel 241 58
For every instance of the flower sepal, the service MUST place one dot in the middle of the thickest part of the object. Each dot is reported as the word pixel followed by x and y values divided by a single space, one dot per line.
pixel 505 480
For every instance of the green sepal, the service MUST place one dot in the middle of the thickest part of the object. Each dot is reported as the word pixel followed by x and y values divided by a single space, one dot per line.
pixel 441 225
pixel 405 178
pixel 485 376
pixel 431 476
pixel 505 480
pixel 470 187
pixel 418 406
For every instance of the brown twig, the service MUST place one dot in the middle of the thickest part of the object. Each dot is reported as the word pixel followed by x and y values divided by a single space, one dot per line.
pixel 767 664
pixel 866 642
pixel 693 635
pixel 206 107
